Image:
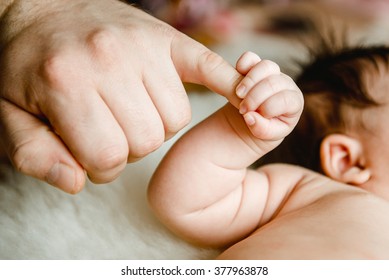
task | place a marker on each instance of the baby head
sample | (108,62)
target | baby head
(344,129)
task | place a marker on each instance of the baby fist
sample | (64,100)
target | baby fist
(271,101)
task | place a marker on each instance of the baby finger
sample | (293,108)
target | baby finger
(259,72)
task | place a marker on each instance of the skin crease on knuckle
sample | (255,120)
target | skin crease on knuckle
(25,150)
(248,81)
(178,120)
(267,66)
(107,159)
(272,83)
(209,62)
(145,147)
(19,159)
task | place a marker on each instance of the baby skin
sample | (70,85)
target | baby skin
(205,192)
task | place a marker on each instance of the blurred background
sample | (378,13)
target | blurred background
(275,29)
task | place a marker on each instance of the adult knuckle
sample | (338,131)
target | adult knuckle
(143,147)
(108,159)
(104,44)
(176,126)
(19,159)
(186,118)
(23,155)
(178,121)
(165,29)
(209,62)
(55,69)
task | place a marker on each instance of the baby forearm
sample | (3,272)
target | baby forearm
(203,166)
(224,141)
(204,178)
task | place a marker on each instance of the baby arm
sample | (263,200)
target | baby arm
(203,189)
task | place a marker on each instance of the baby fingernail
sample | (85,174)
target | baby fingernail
(241,91)
(243,109)
(249,119)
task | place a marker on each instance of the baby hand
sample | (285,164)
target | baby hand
(272,103)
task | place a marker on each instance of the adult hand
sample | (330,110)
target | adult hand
(87,86)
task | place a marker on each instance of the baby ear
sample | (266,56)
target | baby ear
(342,159)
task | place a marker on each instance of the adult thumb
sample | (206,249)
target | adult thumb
(197,64)
(35,150)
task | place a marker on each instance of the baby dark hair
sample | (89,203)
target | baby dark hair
(332,80)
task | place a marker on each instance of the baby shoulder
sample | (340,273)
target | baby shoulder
(306,187)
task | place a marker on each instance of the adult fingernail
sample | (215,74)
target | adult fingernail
(62,176)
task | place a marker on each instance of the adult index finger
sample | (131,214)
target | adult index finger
(197,64)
